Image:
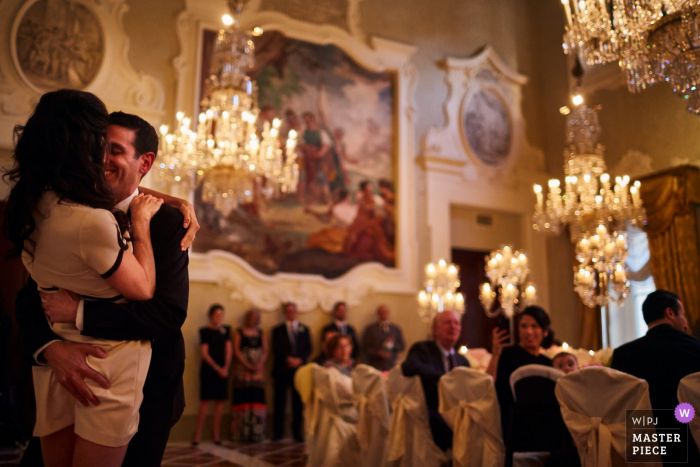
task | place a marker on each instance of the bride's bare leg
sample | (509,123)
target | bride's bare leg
(89,454)
(57,448)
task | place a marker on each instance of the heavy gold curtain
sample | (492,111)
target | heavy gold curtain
(671,198)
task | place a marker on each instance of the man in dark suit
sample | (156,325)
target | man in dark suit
(291,346)
(663,356)
(383,341)
(340,312)
(432,359)
(133,148)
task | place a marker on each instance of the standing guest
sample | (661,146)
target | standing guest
(432,359)
(664,356)
(323,356)
(340,312)
(248,410)
(339,354)
(216,349)
(533,335)
(133,144)
(291,346)
(383,341)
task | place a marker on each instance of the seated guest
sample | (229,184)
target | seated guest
(322,357)
(383,341)
(663,356)
(340,312)
(533,334)
(565,362)
(432,359)
(339,351)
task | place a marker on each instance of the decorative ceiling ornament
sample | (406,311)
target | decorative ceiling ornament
(440,293)
(507,270)
(588,198)
(234,154)
(651,40)
(602,267)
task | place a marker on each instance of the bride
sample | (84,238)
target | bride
(59,219)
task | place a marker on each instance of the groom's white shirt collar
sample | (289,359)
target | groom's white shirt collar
(124,204)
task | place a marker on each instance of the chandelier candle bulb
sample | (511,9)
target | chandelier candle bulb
(601,231)
(567,9)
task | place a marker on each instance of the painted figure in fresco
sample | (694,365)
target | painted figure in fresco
(321,160)
(366,239)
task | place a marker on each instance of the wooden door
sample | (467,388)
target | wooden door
(476,326)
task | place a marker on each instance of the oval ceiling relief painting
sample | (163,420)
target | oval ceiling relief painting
(59,44)
(487,127)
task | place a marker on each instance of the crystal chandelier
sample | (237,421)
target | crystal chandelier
(651,40)
(235,156)
(441,283)
(588,194)
(601,258)
(506,270)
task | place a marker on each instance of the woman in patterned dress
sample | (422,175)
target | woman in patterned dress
(248,408)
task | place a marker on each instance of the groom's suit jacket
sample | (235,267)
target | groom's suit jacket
(158,320)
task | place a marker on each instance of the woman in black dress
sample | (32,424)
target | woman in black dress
(217,351)
(533,334)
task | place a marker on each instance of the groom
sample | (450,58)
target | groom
(133,145)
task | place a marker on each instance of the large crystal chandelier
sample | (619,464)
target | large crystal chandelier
(602,266)
(652,41)
(588,196)
(234,155)
(506,270)
(440,293)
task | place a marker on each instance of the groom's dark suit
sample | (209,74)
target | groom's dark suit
(283,347)
(424,359)
(158,320)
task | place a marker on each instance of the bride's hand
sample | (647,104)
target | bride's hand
(144,207)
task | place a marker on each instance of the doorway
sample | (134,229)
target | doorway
(476,326)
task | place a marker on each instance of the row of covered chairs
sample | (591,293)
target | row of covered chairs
(371,420)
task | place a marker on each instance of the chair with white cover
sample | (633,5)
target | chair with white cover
(469,405)
(536,424)
(304,385)
(689,391)
(374,418)
(335,431)
(411,441)
(593,403)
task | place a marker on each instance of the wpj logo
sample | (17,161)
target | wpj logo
(658,435)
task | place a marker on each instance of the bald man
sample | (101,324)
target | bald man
(432,359)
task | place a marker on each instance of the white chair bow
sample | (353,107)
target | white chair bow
(411,441)
(469,405)
(373,428)
(335,430)
(689,391)
(593,403)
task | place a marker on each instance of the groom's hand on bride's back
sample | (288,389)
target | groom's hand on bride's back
(60,306)
(68,362)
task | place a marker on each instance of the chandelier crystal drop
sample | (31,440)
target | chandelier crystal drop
(235,155)
(507,270)
(602,266)
(651,40)
(440,293)
(588,196)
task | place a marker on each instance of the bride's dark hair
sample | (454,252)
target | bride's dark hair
(60,148)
